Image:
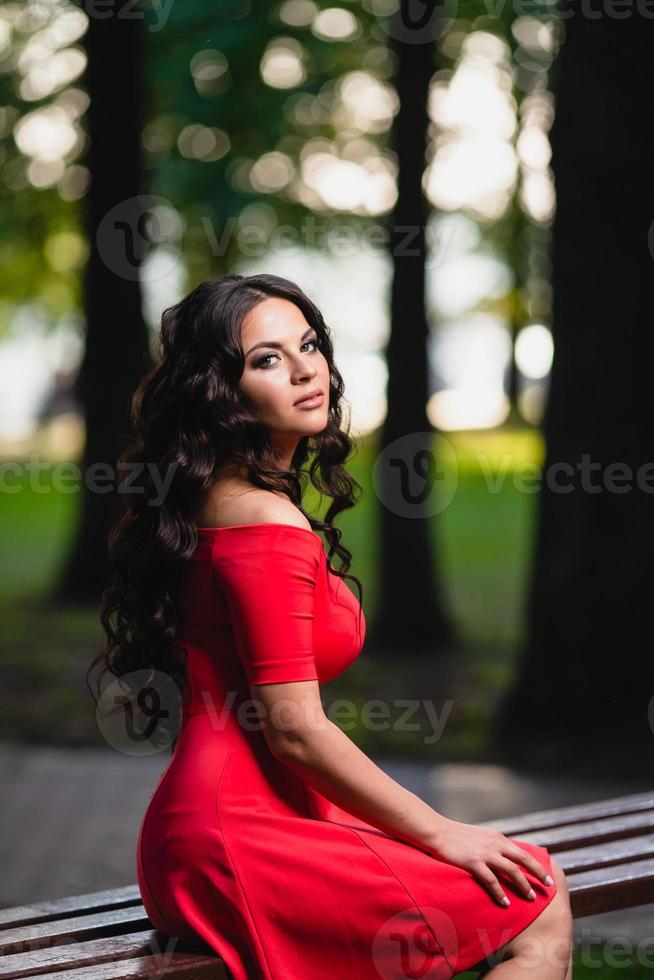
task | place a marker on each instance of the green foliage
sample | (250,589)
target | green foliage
(251,117)
(256,117)
(30,267)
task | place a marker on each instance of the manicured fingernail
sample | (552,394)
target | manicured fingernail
(549,880)
(532,894)
(505,901)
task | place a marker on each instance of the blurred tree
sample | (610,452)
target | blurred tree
(585,678)
(116,345)
(411,619)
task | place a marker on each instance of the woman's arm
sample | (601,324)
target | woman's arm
(301,736)
(328,759)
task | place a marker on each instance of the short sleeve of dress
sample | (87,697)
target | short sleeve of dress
(268,576)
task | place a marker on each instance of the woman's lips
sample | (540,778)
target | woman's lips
(309,403)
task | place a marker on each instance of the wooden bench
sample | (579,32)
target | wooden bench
(606,849)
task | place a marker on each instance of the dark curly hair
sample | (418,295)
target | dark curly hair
(189,419)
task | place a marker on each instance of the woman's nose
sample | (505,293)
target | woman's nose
(306,371)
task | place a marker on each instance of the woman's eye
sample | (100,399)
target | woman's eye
(264,362)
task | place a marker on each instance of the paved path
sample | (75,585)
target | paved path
(69,819)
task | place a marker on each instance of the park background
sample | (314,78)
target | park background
(467,197)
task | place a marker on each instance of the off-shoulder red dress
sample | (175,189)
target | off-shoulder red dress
(236,851)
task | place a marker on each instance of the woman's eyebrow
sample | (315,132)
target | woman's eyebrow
(276,344)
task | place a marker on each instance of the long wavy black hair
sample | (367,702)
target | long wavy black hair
(189,419)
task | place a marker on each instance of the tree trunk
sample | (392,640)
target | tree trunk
(117,348)
(411,621)
(586,676)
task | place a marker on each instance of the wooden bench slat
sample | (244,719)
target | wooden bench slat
(579,812)
(23,938)
(189,967)
(111,898)
(72,955)
(619,886)
(98,951)
(609,852)
(592,832)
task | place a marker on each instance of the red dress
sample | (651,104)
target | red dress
(236,851)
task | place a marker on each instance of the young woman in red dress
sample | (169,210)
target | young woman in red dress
(271,836)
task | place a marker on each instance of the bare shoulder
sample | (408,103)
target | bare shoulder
(251,505)
(266,507)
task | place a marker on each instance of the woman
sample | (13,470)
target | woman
(270,836)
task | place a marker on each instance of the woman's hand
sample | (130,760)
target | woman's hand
(482,852)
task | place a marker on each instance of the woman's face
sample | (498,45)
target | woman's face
(283,364)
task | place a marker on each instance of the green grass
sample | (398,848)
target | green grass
(35,524)
(584,970)
(601,971)
(482,538)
